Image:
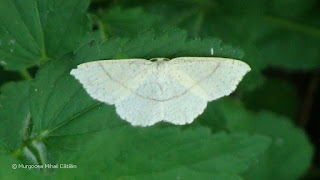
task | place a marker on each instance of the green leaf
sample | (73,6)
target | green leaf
(189,174)
(226,114)
(59,105)
(275,95)
(7,172)
(14,114)
(232,112)
(168,151)
(290,154)
(33,31)
(128,21)
(64,115)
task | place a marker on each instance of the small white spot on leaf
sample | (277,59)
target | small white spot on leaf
(212,51)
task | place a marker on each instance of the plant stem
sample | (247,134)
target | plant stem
(25,74)
(102,30)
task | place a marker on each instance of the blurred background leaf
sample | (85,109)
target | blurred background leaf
(126,22)
(291,151)
(290,154)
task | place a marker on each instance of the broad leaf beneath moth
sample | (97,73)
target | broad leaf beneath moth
(149,91)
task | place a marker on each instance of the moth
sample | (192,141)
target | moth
(145,92)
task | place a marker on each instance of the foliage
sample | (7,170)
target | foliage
(52,120)
(34,31)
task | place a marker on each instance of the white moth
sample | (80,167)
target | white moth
(149,91)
